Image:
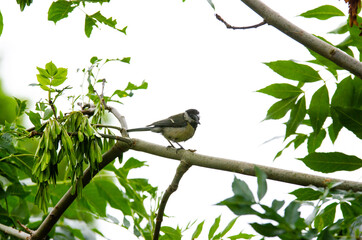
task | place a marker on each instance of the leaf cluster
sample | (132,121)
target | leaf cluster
(92,76)
(343,107)
(61,9)
(286,221)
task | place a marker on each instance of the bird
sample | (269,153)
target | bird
(176,128)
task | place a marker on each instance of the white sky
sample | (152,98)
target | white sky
(190,60)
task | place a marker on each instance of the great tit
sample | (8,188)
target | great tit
(177,128)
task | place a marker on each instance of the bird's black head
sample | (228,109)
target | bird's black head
(193,117)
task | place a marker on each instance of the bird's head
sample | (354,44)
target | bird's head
(193,117)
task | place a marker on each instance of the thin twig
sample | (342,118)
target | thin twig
(103,84)
(25,228)
(120,118)
(108,126)
(181,170)
(218,17)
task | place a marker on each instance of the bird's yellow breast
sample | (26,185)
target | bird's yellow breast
(178,134)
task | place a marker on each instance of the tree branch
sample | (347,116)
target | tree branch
(245,168)
(218,17)
(14,232)
(68,198)
(191,158)
(308,40)
(120,118)
(181,170)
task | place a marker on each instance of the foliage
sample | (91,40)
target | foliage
(343,107)
(40,164)
(54,153)
(323,222)
(61,9)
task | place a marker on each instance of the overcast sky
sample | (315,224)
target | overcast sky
(190,60)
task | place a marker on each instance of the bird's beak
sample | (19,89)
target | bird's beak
(198,122)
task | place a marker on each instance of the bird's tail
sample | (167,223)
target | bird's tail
(139,129)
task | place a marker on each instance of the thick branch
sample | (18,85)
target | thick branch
(181,170)
(246,168)
(308,40)
(14,232)
(68,197)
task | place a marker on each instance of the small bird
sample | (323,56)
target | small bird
(177,128)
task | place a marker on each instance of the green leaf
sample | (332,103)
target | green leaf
(319,108)
(132,86)
(348,97)
(262,184)
(355,33)
(51,68)
(227,229)
(59,10)
(340,30)
(323,12)
(7,171)
(43,80)
(281,90)
(214,227)
(343,96)
(296,117)
(299,139)
(1,23)
(126,60)
(291,213)
(268,229)
(59,77)
(315,140)
(43,72)
(20,107)
(171,233)
(102,19)
(88,25)
(238,205)
(347,211)
(241,236)
(120,93)
(97,201)
(24,3)
(276,205)
(211,4)
(294,71)
(332,132)
(34,119)
(331,162)
(198,230)
(133,163)
(280,108)
(326,217)
(107,21)
(48,113)
(114,196)
(46,88)
(306,194)
(351,118)
(240,188)
(357,93)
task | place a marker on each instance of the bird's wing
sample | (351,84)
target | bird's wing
(173,121)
